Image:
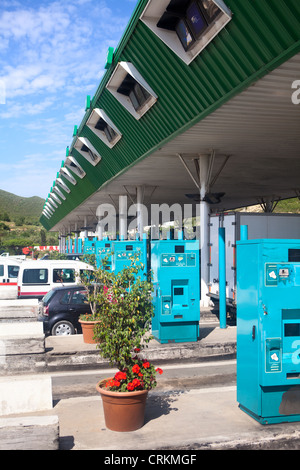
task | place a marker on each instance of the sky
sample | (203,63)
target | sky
(52,55)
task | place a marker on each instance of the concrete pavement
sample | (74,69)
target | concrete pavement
(197,419)
(70,352)
(177,418)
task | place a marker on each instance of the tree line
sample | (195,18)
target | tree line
(19,232)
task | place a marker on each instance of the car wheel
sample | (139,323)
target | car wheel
(63,328)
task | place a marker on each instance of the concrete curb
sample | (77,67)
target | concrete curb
(63,353)
(29,433)
(18,310)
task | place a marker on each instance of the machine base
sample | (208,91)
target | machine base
(271,419)
(169,341)
(183,332)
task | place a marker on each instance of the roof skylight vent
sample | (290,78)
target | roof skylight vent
(87,150)
(186,26)
(103,127)
(129,87)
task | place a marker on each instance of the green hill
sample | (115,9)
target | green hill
(289,205)
(17,206)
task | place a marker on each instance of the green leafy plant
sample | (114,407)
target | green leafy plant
(89,317)
(122,304)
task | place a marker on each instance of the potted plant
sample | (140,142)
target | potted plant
(123,305)
(88,322)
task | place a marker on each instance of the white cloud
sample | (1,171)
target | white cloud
(52,54)
(33,24)
(17,110)
(57,47)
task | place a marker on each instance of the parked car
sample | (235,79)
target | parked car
(36,278)
(9,269)
(60,308)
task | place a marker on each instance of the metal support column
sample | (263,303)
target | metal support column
(69,242)
(123,217)
(139,209)
(204,166)
(76,238)
(85,227)
(63,242)
(222,278)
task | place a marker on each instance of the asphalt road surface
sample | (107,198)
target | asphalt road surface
(181,376)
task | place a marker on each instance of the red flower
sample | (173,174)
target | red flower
(146,365)
(111,383)
(136,383)
(120,376)
(160,371)
(136,369)
(136,349)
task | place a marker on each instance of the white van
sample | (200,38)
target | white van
(36,278)
(9,269)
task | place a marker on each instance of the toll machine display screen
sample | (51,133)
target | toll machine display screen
(294,255)
(178,259)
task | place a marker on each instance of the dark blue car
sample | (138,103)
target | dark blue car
(60,308)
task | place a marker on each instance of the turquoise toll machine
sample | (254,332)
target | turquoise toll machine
(125,250)
(120,253)
(176,284)
(89,246)
(268,329)
(103,249)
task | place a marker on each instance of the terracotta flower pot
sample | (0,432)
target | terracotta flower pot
(88,331)
(123,411)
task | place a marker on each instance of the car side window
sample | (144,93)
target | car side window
(66,297)
(64,275)
(35,276)
(79,297)
(12,271)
